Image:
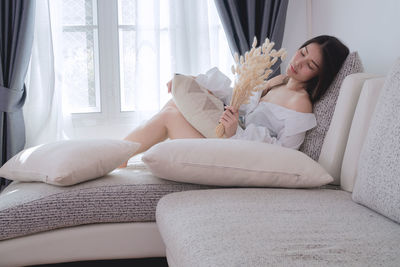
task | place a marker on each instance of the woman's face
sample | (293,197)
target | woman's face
(306,63)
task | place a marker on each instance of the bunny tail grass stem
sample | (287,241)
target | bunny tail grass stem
(251,73)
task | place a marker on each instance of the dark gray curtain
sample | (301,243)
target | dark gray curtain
(16,36)
(244,19)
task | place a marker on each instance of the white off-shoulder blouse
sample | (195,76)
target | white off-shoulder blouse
(263,121)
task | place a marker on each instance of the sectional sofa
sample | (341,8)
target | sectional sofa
(117,216)
(306,227)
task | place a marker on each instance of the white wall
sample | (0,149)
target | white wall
(295,29)
(369,26)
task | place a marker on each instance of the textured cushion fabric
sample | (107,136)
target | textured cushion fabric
(377,184)
(68,162)
(230,162)
(274,227)
(124,195)
(334,144)
(324,108)
(200,108)
(358,131)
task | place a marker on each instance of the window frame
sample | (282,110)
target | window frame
(108,72)
(111,116)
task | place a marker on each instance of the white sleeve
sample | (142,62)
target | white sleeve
(262,134)
(218,83)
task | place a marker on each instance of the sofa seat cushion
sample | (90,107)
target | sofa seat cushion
(274,227)
(124,195)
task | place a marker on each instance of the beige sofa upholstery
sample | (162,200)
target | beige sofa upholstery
(359,127)
(107,218)
(274,227)
(336,138)
(140,239)
(289,227)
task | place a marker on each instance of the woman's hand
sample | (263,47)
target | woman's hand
(230,120)
(169,85)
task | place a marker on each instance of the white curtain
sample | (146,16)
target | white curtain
(193,43)
(190,38)
(45,120)
(196,38)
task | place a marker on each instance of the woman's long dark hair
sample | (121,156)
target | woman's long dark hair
(334,53)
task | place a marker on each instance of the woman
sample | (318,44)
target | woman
(281,114)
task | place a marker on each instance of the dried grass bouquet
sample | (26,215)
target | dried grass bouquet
(251,74)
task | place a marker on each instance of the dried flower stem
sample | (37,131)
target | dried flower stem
(251,73)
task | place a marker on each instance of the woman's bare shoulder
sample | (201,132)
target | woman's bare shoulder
(300,103)
(274,81)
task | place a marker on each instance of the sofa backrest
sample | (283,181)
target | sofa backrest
(335,141)
(358,131)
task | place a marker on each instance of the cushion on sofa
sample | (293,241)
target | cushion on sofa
(274,227)
(200,108)
(324,108)
(68,162)
(124,195)
(377,184)
(359,128)
(230,162)
(335,140)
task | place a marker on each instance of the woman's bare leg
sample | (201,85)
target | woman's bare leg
(168,123)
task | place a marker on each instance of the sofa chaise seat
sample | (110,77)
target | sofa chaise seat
(275,227)
(124,195)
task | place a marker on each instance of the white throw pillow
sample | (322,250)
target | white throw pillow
(68,162)
(231,162)
(200,108)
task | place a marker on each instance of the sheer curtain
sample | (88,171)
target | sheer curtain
(193,43)
(45,118)
(183,36)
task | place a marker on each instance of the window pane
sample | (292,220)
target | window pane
(127,56)
(79,12)
(146,46)
(79,71)
(80,51)
(74,12)
(126,12)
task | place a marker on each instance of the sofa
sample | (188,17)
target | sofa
(306,227)
(130,213)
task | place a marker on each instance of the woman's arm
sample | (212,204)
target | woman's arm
(169,85)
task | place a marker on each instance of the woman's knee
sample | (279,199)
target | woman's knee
(170,103)
(170,112)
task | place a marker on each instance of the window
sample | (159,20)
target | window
(81,55)
(108,56)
